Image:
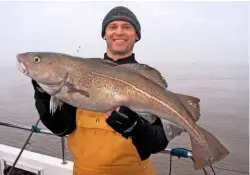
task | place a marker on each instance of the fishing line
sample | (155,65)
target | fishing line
(182,152)
(205,172)
(225,169)
(170,167)
(34,129)
(170,164)
(212,168)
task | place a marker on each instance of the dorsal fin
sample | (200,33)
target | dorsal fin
(103,61)
(147,71)
(191,104)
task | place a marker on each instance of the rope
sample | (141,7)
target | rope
(34,129)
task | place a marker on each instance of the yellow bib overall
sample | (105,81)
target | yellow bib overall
(97,149)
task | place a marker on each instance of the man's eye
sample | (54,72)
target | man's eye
(112,27)
(127,27)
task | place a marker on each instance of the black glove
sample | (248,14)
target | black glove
(39,92)
(125,121)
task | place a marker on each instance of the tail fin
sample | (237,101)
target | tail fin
(213,152)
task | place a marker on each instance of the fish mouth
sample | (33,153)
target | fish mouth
(22,67)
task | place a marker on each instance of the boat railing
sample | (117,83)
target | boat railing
(63,140)
(39,131)
(179,152)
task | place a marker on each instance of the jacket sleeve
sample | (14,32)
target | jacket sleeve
(62,122)
(149,138)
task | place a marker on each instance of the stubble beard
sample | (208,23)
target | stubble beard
(120,52)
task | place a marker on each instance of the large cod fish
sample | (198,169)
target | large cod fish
(101,85)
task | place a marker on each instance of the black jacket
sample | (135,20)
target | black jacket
(150,138)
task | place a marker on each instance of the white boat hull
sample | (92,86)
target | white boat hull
(33,162)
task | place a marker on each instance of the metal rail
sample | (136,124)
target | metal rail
(179,152)
(41,131)
(47,132)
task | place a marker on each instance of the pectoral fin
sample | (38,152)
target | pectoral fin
(147,71)
(72,88)
(54,104)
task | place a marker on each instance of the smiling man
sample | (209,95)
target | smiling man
(119,142)
(120,37)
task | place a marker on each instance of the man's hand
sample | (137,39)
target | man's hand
(123,120)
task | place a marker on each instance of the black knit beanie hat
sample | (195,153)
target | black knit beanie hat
(124,14)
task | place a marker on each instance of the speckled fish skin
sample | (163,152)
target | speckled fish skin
(99,85)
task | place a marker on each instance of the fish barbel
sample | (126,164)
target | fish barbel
(100,85)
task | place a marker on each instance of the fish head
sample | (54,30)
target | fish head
(45,68)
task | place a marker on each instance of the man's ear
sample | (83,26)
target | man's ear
(137,38)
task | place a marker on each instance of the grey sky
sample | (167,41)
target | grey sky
(171,31)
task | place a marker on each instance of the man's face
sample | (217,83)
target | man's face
(120,37)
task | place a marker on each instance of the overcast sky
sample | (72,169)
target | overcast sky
(171,31)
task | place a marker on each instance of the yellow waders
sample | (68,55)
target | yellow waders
(97,149)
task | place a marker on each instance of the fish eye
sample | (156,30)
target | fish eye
(36,59)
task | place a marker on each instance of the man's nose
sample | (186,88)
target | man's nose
(119,31)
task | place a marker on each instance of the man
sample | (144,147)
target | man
(119,142)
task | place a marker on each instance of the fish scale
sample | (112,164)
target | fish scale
(100,85)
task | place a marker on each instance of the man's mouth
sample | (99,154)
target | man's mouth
(119,40)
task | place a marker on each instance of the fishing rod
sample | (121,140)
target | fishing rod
(34,129)
(184,153)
